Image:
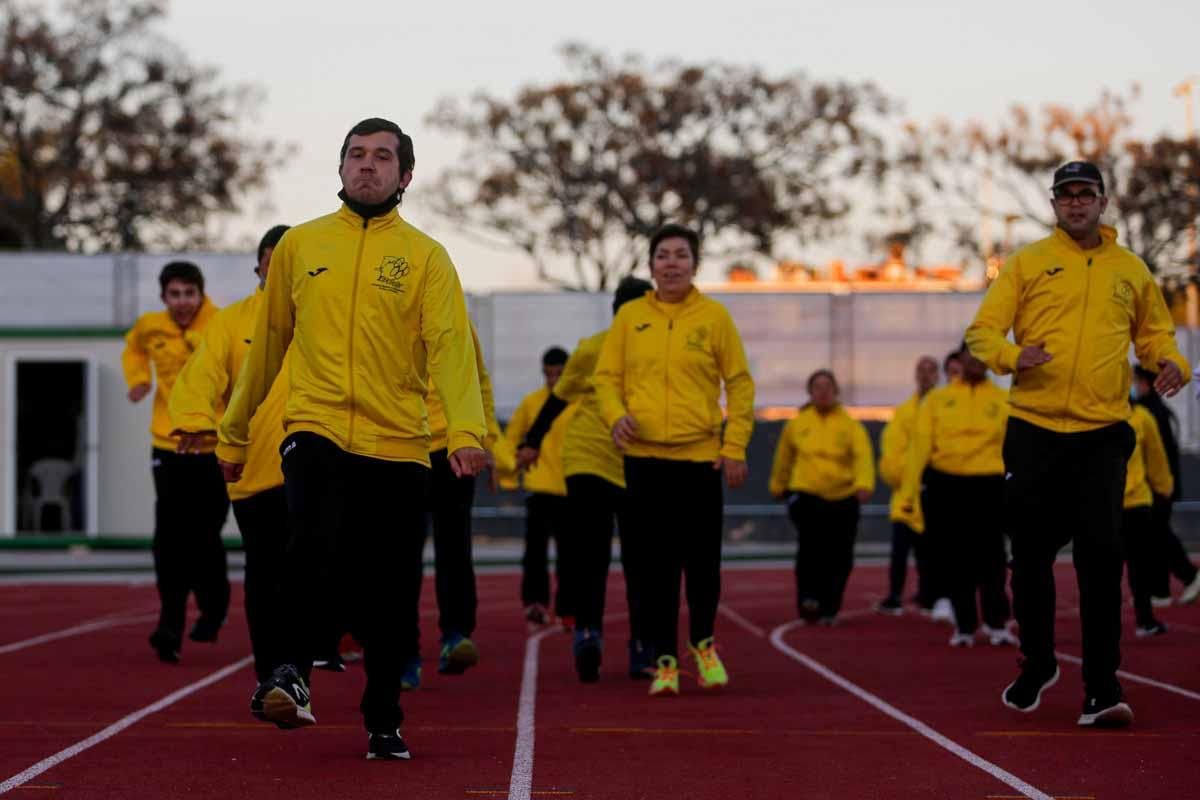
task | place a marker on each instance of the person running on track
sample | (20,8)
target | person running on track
(1147,479)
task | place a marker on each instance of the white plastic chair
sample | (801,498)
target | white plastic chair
(46,485)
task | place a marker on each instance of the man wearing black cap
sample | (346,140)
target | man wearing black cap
(1074,302)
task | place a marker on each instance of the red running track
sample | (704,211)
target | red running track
(876,707)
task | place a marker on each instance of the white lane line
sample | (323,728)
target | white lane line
(1135,678)
(98,624)
(120,725)
(971,758)
(521,783)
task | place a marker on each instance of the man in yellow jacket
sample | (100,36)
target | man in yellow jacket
(190,502)
(1074,302)
(1148,479)
(259,503)
(546,505)
(955,468)
(372,309)
(595,477)
(907,523)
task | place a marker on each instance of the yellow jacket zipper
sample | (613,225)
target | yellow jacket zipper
(1087,296)
(362,242)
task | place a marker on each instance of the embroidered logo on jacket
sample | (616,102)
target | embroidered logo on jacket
(642,327)
(1054,271)
(696,338)
(391,272)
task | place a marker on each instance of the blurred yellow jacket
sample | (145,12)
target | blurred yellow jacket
(663,364)
(203,388)
(894,442)
(495,442)
(1148,473)
(960,431)
(1084,308)
(371,309)
(589,448)
(546,475)
(156,339)
(827,455)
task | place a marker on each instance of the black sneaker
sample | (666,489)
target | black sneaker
(283,699)
(1025,693)
(1154,628)
(1106,713)
(810,610)
(890,605)
(641,661)
(587,650)
(333,663)
(387,746)
(165,645)
(205,630)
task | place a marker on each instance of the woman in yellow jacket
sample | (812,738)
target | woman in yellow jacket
(825,468)
(956,454)
(658,384)
(1147,476)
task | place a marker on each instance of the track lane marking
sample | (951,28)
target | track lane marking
(1133,677)
(521,782)
(21,778)
(90,626)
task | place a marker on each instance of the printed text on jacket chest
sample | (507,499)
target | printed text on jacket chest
(391,275)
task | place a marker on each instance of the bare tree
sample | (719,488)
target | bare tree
(111,138)
(582,170)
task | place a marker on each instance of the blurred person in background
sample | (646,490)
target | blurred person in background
(1147,478)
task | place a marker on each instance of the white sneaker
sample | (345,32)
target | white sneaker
(960,639)
(943,611)
(1160,602)
(1190,592)
(1000,637)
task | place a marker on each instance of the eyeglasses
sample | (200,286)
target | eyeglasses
(1084,198)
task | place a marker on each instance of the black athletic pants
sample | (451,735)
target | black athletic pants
(450,501)
(263,520)
(1168,556)
(675,515)
(1138,540)
(357,527)
(190,507)
(1064,487)
(825,534)
(545,518)
(966,540)
(904,541)
(594,505)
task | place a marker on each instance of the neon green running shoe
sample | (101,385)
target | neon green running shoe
(666,677)
(711,672)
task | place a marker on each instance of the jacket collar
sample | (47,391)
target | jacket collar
(366,219)
(672,309)
(1108,237)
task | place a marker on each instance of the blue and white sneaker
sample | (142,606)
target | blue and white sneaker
(410,679)
(458,654)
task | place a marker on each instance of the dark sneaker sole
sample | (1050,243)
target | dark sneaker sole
(280,707)
(460,659)
(587,664)
(1117,716)
(405,756)
(1037,701)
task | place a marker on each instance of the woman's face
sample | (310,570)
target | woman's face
(673,267)
(823,393)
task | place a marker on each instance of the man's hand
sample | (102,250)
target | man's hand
(1032,356)
(230,471)
(196,442)
(138,392)
(736,471)
(468,462)
(527,456)
(1170,378)
(863,496)
(624,431)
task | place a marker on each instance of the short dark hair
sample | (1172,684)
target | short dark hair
(673,231)
(554,357)
(823,373)
(630,288)
(953,355)
(270,239)
(404,142)
(184,271)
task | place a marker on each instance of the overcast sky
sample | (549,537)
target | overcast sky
(326,65)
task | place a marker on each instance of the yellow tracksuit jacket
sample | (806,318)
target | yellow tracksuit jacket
(959,431)
(828,455)
(371,309)
(1084,308)
(496,444)
(546,476)
(894,443)
(156,339)
(203,387)
(1148,472)
(589,448)
(663,364)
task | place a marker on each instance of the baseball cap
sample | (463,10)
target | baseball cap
(1078,172)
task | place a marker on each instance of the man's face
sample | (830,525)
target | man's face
(822,393)
(926,374)
(552,373)
(264,264)
(1078,206)
(370,171)
(183,300)
(954,369)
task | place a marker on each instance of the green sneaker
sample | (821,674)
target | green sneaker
(666,677)
(458,654)
(711,672)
